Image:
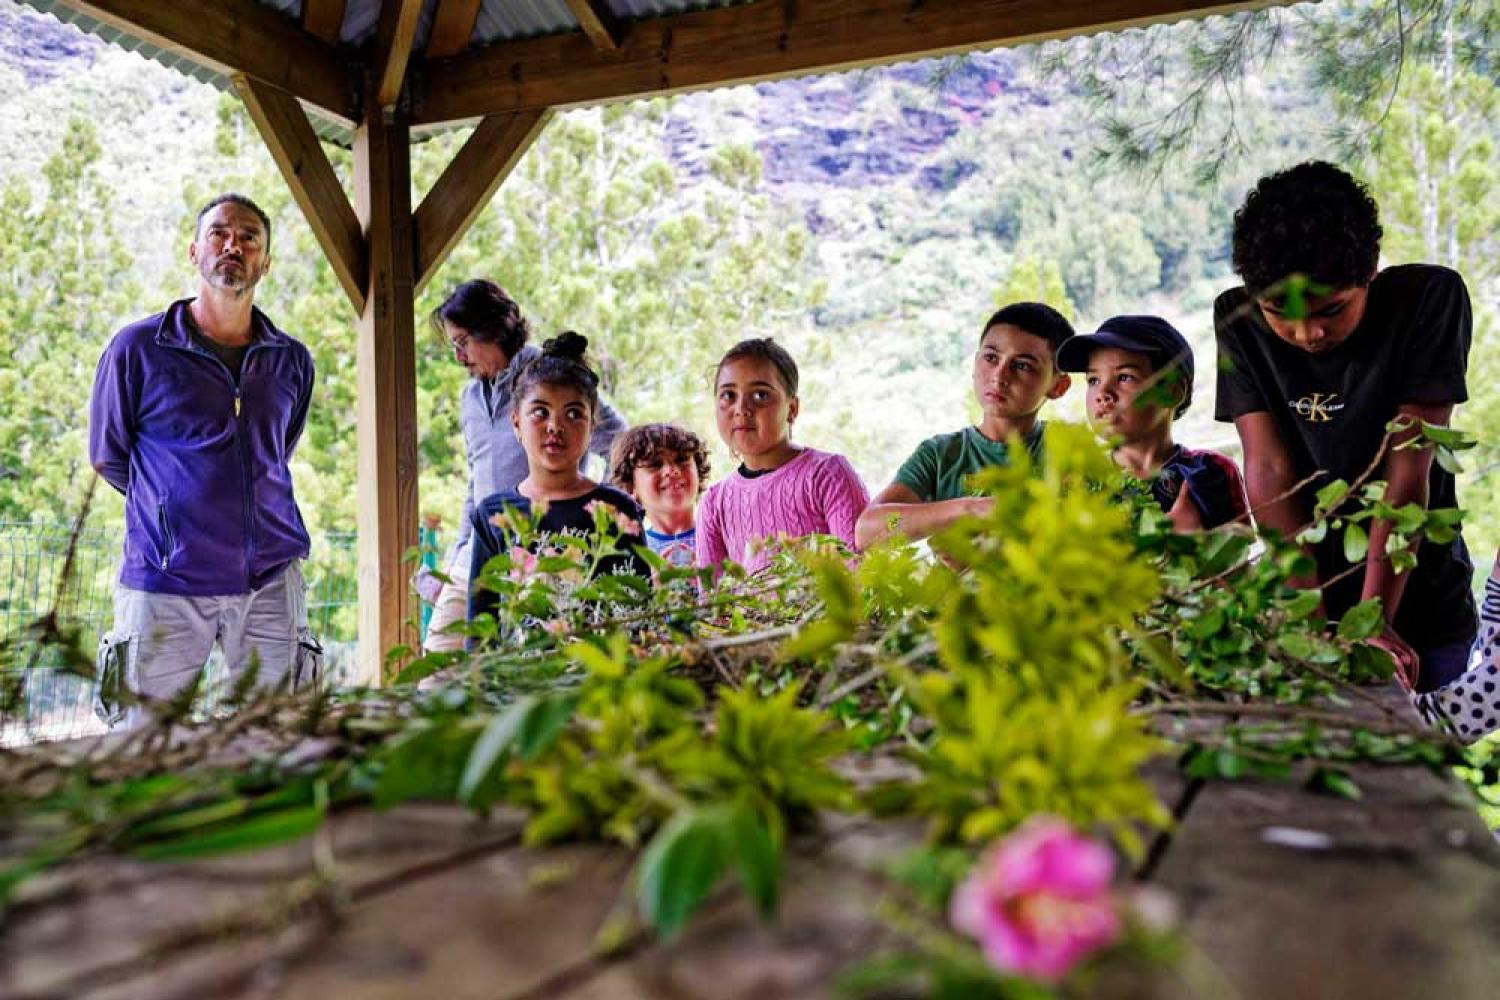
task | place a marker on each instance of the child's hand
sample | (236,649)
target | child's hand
(428,584)
(978,506)
(1408,663)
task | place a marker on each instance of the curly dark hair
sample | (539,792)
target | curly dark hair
(1313,219)
(560,363)
(1037,319)
(487,312)
(765,349)
(648,444)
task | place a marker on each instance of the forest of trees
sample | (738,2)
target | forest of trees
(1100,174)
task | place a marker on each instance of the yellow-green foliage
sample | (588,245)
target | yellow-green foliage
(633,718)
(772,755)
(1006,749)
(1030,706)
(1052,569)
(635,751)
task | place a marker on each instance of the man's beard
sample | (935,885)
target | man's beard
(238,283)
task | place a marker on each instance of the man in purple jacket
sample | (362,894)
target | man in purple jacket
(194,417)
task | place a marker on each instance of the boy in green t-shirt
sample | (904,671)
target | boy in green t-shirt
(1015,373)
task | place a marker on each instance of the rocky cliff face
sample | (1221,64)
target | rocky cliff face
(40,46)
(825,131)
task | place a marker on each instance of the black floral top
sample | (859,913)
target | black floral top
(493,535)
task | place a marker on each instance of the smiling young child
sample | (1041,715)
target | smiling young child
(1014,374)
(1139,374)
(556,400)
(781,489)
(665,468)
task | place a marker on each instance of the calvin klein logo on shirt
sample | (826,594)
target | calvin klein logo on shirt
(1316,407)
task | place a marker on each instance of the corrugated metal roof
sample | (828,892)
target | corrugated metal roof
(502,20)
(629,9)
(497,21)
(291,8)
(360,20)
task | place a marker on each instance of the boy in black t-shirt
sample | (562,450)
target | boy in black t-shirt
(1318,351)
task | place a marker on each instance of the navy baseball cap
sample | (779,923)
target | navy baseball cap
(1148,335)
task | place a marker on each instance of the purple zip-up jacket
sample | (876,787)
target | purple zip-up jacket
(209,509)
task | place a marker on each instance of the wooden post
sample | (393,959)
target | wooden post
(385,356)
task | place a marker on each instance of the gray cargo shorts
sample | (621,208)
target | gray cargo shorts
(160,643)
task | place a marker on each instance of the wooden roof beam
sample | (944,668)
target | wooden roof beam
(385,394)
(323,19)
(468,184)
(761,40)
(237,37)
(397,32)
(599,23)
(312,180)
(452,27)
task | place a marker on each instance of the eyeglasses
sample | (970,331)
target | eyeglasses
(461,341)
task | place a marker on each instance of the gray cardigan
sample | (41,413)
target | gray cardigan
(496,460)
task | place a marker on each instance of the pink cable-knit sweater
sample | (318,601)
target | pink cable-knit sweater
(815,493)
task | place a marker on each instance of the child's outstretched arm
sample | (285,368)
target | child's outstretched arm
(1406,481)
(913,519)
(1269,478)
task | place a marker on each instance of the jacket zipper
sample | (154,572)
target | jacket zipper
(167,541)
(239,441)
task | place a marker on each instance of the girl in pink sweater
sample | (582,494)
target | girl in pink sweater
(780,489)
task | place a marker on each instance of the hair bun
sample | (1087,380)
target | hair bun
(567,345)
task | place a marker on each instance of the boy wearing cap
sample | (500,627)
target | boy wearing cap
(1318,352)
(1139,376)
(1015,373)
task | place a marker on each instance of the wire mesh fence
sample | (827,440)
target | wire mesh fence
(51,696)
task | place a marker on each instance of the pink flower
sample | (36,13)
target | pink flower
(522,563)
(1039,901)
(623,521)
